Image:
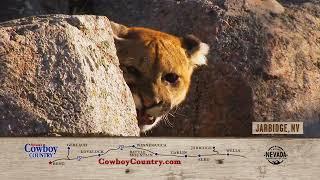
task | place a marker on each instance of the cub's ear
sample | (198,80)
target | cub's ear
(196,50)
(120,33)
(119,30)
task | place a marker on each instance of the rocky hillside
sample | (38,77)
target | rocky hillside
(264,62)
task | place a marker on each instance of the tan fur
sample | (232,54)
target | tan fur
(147,57)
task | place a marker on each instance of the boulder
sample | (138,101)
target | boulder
(59,75)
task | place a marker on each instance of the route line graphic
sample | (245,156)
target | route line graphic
(122,147)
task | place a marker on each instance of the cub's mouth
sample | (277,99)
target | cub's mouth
(148,117)
(144,118)
(145,121)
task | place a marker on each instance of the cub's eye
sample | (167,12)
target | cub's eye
(171,78)
(133,70)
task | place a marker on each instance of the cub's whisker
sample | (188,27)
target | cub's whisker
(171,114)
(167,121)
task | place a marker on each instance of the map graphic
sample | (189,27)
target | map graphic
(157,158)
(208,153)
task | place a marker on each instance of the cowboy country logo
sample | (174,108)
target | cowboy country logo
(38,150)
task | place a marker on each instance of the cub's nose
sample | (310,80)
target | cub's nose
(151,102)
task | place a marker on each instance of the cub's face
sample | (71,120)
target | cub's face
(157,68)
